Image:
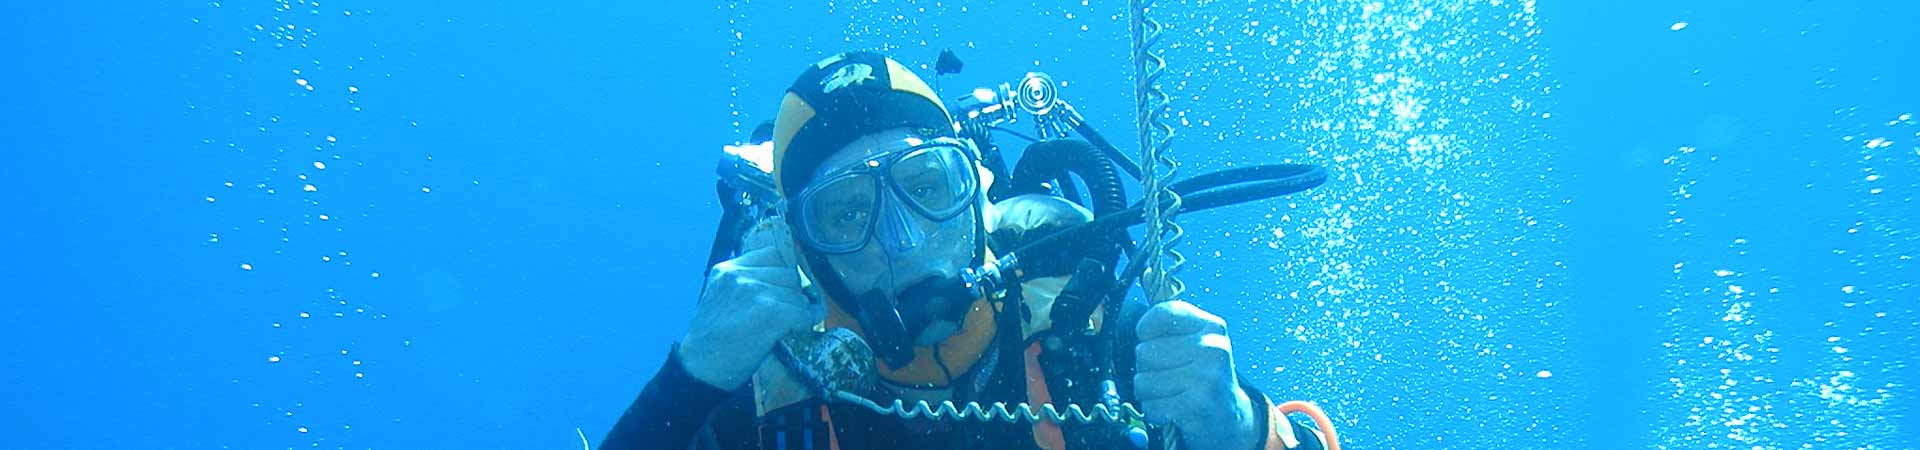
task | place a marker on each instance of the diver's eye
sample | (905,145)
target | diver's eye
(923,192)
(850,217)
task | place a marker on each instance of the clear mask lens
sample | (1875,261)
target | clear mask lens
(843,211)
(841,215)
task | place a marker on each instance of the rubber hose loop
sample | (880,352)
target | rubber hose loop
(1052,160)
(1319,417)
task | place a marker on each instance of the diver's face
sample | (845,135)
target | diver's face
(905,245)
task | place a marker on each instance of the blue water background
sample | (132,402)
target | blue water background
(518,198)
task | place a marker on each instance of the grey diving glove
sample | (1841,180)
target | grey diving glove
(750,303)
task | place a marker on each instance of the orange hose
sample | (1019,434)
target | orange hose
(1319,420)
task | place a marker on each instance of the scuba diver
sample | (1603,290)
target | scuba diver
(895,286)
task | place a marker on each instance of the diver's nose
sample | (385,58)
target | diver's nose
(899,232)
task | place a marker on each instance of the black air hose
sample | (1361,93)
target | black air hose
(1050,161)
(990,157)
(1200,193)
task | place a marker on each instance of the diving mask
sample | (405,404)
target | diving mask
(904,192)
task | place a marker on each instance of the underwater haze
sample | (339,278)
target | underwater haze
(265,224)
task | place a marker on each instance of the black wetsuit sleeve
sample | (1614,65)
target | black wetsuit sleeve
(1303,432)
(668,413)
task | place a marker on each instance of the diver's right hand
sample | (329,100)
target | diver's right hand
(750,303)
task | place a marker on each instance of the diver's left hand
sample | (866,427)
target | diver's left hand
(1184,375)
